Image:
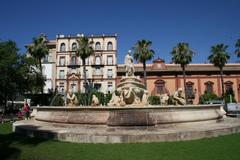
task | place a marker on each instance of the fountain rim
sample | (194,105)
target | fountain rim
(130,107)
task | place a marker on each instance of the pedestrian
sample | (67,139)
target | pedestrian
(26,110)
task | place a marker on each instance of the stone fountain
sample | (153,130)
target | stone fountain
(128,118)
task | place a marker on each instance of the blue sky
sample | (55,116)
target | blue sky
(201,23)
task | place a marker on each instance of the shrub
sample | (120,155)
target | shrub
(107,98)
(103,99)
(154,100)
(57,100)
(229,93)
(207,96)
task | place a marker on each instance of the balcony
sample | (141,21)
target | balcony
(73,64)
(61,64)
(97,75)
(61,77)
(100,63)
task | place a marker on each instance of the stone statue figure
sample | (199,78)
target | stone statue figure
(71,99)
(145,98)
(178,98)
(164,99)
(95,101)
(115,100)
(129,65)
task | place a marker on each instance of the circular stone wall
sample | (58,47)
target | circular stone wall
(129,116)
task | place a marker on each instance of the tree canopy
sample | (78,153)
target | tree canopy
(142,53)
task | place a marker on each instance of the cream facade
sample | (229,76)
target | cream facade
(100,67)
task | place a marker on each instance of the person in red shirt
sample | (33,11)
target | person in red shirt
(26,110)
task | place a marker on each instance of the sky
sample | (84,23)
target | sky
(201,23)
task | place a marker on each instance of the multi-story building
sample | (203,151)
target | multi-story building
(167,78)
(100,67)
(49,67)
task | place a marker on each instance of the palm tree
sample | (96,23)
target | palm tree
(84,50)
(39,50)
(237,46)
(143,53)
(182,54)
(219,58)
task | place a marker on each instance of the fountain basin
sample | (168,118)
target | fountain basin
(129,116)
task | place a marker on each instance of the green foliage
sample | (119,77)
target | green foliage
(39,50)
(237,46)
(182,54)
(143,53)
(207,96)
(84,50)
(229,93)
(103,99)
(9,67)
(41,99)
(219,56)
(154,100)
(107,98)
(17,147)
(57,100)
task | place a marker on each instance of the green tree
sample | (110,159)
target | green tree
(39,50)
(182,54)
(84,50)
(8,69)
(237,46)
(143,53)
(32,80)
(219,58)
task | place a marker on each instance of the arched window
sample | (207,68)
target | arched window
(98,46)
(209,86)
(160,87)
(109,46)
(228,86)
(190,94)
(97,60)
(62,47)
(74,46)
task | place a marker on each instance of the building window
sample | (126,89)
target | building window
(98,71)
(110,87)
(98,46)
(74,46)
(73,60)
(74,87)
(61,87)
(61,74)
(228,86)
(160,87)
(97,60)
(62,61)
(110,73)
(109,46)
(62,47)
(97,86)
(87,61)
(189,90)
(209,87)
(45,59)
(109,60)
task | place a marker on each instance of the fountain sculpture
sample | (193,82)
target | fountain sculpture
(128,118)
